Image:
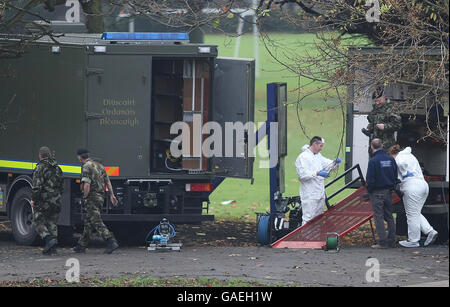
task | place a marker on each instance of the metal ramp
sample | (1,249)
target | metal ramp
(344,217)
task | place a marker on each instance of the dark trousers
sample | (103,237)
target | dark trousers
(381,201)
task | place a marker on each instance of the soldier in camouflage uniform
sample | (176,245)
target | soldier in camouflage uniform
(383,122)
(93,180)
(46,199)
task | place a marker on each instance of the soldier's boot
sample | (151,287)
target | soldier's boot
(52,251)
(112,246)
(49,243)
(79,249)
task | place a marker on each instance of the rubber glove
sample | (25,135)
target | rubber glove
(408,174)
(323,174)
(338,160)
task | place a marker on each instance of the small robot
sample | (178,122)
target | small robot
(162,236)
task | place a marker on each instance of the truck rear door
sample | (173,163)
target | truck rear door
(233,103)
(118,112)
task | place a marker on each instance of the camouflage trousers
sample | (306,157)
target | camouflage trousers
(93,221)
(45,221)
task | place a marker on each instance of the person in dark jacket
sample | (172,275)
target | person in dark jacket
(381,179)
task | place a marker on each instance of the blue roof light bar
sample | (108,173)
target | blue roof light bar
(145,36)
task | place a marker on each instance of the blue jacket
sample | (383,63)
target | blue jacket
(381,172)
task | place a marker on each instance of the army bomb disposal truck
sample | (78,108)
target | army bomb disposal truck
(432,154)
(118,94)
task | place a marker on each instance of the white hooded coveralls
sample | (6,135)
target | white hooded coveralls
(312,188)
(415,191)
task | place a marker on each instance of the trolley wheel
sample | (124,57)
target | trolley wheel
(263,230)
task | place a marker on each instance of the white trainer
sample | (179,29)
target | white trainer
(432,236)
(409,244)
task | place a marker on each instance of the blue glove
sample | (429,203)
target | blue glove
(323,174)
(338,160)
(408,174)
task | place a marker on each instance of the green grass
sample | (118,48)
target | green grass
(318,116)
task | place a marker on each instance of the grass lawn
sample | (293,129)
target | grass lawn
(318,117)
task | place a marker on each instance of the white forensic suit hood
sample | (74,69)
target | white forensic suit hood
(407,162)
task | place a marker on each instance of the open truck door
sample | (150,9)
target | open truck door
(233,105)
(118,112)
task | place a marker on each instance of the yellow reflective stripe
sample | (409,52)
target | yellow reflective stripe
(17,164)
(70,169)
(32,165)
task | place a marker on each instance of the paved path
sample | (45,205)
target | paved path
(398,267)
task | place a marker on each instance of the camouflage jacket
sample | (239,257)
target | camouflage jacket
(384,115)
(94,173)
(48,182)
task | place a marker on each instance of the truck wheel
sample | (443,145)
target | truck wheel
(22,218)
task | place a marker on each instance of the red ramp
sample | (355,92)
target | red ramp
(344,217)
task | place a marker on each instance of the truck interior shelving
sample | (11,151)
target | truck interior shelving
(180,90)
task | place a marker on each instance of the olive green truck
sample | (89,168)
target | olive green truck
(118,94)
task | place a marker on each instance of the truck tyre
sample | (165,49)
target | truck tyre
(22,218)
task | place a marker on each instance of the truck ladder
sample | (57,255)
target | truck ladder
(342,218)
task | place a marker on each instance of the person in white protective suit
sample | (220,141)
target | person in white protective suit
(312,169)
(415,192)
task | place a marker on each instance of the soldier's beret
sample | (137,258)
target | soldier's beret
(82,151)
(378,93)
